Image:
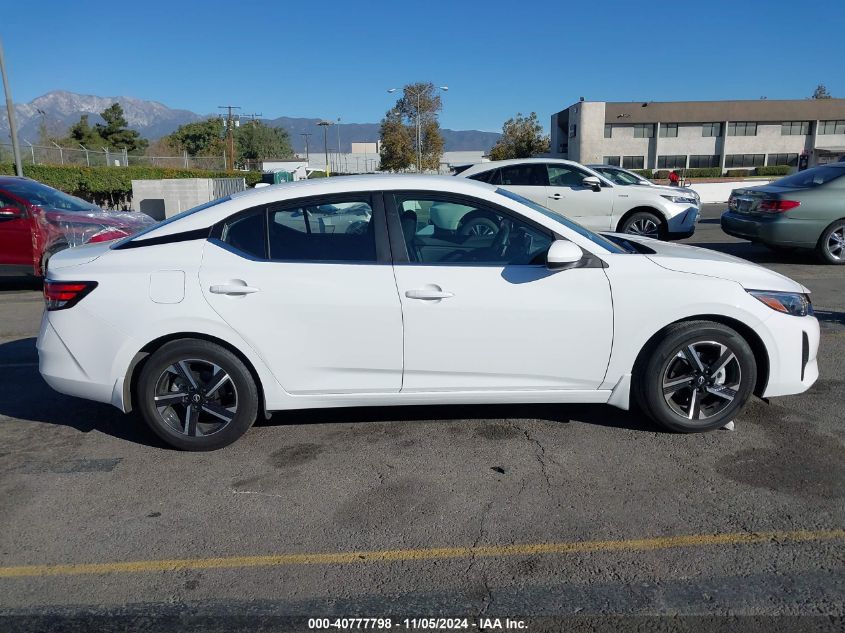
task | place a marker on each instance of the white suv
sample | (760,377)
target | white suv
(591,199)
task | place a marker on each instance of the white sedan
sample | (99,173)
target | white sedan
(266,301)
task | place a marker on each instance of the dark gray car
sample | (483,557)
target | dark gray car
(804,210)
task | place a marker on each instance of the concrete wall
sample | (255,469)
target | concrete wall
(721,191)
(162,199)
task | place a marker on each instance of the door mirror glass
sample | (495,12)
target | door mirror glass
(10,213)
(592,181)
(563,254)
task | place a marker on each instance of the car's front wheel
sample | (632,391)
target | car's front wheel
(643,223)
(831,246)
(698,377)
(196,395)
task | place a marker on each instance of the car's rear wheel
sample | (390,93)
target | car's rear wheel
(697,377)
(643,223)
(831,246)
(196,395)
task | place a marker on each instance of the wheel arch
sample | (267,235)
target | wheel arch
(664,222)
(761,355)
(134,371)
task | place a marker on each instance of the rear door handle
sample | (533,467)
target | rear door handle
(233,289)
(557,196)
(427,294)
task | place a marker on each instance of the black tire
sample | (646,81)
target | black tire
(478,226)
(203,430)
(826,249)
(662,368)
(641,221)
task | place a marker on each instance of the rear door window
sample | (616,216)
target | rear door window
(525,175)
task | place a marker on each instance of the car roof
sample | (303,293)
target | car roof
(493,164)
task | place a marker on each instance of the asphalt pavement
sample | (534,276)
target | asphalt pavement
(515,511)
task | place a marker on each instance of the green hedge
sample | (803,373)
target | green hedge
(112,186)
(694,172)
(774,170)
(645,173)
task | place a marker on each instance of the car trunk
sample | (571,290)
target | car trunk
(751,201)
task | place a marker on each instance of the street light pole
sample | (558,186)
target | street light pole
(10,108)
(325,125)
(338,142)
(306,135)
(418,93)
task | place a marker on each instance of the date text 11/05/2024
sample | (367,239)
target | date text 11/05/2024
(484,624)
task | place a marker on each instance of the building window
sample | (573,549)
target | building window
(703,160)
(742,128)
(672,162)
(633,162)
(669,130)
(644,130)
(608,130)
(795,128)
(711,129)
(783,159)
(612,160)
(744,160)
(573,129)
(831,127)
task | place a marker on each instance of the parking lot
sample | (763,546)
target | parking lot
(463,510)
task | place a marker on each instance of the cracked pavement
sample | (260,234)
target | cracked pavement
(81,483)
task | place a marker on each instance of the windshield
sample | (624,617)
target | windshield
(620,177)
(812,177)
(178,216)
(46,197)
(595,238)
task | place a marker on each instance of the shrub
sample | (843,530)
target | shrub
(739,173)
(774,170)
(645,173)
(112,186)
(704,172)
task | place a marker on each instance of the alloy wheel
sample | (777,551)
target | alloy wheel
(701,380)
(836,243)
(195,397)
(643,226)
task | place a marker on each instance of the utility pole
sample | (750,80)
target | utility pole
(306,135)
(325,125)
(338,144)
(230,135)
(10,108)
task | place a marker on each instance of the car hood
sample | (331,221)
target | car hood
(703,261)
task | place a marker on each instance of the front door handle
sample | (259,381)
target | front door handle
(428,294)
(233,289)
(557,196)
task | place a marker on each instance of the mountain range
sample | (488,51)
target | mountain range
(60,109)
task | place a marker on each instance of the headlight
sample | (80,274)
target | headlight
(679,199)
(794,303)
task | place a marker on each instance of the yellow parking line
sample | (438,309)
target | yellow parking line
(345,558)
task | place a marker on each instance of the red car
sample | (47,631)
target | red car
(37,221)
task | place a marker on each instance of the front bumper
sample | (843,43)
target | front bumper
(793,365)
(775,229)
(683,224)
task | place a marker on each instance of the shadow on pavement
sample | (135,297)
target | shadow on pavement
(759,254)
(26,397)
(20,283)
(830,316)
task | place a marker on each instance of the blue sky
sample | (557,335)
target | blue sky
(330,59)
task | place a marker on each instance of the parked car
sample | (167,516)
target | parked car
(591,199)
(624,177)
(804,210)
(37,221)
(228,311)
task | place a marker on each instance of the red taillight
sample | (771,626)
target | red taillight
(778,206)
(107,235)
(60,295)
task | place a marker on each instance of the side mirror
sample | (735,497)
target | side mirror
(592,182)
(563,254)
(10,213)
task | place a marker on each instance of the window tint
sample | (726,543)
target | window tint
(491,177)
(633,162)
(246,233)
(795,128)
(644,130)
(669,130)
(812,177)
(337,231)
(528,174)
(744,160)
(565,176)
(711,129)
(612,160)
(831,127)
(619,177)
(448,233)
(742,128)
(783,159)
(8,201)
(703,160)
(672,162)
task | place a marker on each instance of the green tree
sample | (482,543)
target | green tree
(397,145)
(257,141)
(419,104)
(522,137)
(200,138)
(115,131)
(821,92)
(82,133)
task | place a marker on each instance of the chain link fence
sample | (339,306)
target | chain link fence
(106,157)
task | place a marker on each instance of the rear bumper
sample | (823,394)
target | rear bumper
(775,229)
